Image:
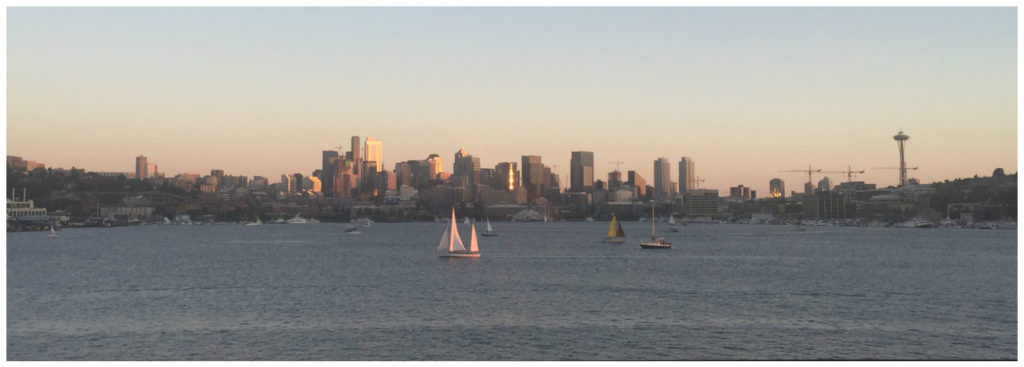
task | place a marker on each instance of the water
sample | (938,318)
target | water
(540,292)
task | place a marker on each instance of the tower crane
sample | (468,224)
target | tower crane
(809,171)
(849,173)
(697,181)
(618,164)
(905,168)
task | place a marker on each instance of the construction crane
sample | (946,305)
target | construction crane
(849,173)
(339,148)
(697,181)
(902,175)
(618,164)
(910,168)
(809,171)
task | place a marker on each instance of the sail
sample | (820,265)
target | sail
(455,242)
(619,232)
(611,228)
(489,229)
(444,241)
(472,240)
(671,220)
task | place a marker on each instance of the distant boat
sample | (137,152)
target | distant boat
(490,230)
(258,222)
(53,233)
(297,219)
(367,222)
(465,220)
(353,230)
(656,242)
(672,227)
(914,223)
(451,244)
(615,232)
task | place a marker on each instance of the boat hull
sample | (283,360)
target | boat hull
(614,239)
(460,254)
(655,246)
(485,234)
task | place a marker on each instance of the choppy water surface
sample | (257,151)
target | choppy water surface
(540,292)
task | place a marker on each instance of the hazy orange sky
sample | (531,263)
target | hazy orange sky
(745,92)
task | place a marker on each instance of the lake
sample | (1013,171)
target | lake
(540,291)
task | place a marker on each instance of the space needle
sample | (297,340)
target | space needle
(900,139)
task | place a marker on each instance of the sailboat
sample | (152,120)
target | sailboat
(656,242)
(258,222)
(615,232)
(490,230)
(451,244)
(672,227)
(53,233)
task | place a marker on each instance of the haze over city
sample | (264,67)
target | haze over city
(745,92)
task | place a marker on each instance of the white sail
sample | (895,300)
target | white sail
(489,229)
(455,242)
(444,241)
(472,240)
(671,220)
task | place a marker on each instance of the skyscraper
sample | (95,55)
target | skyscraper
(662,170)
(687,179)
(357,159)
(468,166)
(637,181)
(374,152)
(328,163)
(506,177)
(436,168)
(533,176)
(825,184)
(141,167)
(777,188)
(581,172)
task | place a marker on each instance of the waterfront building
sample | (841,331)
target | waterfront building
(700,203)
(581,172)
(662,170)
(687,177)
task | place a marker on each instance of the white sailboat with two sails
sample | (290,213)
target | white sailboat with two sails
(451,243)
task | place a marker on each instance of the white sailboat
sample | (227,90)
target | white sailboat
(656,242)
(490,230)
(53,233)
(258,222)
(451,243)
(672,227)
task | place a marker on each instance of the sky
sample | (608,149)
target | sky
(745,92)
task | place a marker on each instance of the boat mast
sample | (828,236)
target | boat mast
(652,220)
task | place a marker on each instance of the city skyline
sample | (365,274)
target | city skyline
(747,92)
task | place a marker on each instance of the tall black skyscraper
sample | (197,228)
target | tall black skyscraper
(330,159)
(581,172)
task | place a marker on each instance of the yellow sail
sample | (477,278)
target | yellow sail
(611,228)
